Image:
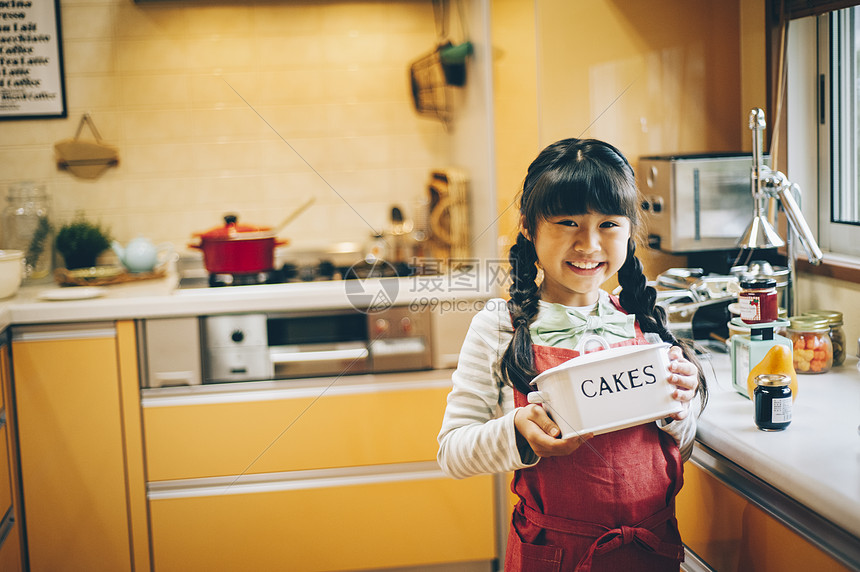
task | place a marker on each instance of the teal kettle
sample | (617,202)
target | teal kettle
(141,255)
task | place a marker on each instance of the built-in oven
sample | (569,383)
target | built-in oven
(283,345)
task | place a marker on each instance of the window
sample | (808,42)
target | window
(839,131)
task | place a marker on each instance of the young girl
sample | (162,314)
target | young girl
(585,503)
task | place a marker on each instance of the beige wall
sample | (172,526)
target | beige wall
(653,77)
(197,97)
(515,96)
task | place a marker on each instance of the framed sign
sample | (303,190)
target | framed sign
(32,84)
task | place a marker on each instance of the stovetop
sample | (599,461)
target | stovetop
(195,276)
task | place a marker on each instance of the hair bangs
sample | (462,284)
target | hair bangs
(578,188)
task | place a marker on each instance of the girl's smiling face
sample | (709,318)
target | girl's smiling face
(578,253)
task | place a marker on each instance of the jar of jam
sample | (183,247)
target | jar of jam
(812,348)
(757,300)
(772,396)
(837,334)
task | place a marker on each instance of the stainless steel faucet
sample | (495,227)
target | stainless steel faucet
(764,184)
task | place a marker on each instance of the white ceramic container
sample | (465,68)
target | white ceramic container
(607,390)
(11,272)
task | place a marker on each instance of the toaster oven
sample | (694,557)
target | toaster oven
(696,203)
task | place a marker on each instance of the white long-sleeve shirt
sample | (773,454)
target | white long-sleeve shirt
(478,434)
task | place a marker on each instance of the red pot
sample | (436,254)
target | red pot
(238,248)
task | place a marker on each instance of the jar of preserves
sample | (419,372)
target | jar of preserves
(26,227)
(812,347)
(772,396)
(757,300)
(837,333)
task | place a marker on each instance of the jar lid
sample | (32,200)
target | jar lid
(758,283)
(773,379)
(806,323)
(832,316)
(27,190)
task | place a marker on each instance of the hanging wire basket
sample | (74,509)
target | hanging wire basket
(430,88)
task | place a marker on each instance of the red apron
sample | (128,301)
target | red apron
(609,505)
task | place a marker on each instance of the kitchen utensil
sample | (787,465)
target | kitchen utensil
(449,216)
(11,271)
(433,73)
(238,248)
(429,87)
(86,159)
(141,255)
(292,216)
(607,390)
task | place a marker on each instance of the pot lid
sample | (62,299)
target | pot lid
(233,230)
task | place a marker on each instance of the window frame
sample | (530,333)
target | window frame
(838,238)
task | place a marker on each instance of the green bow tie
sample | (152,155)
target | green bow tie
(560,326)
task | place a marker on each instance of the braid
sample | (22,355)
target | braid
(517,362)
(636,297)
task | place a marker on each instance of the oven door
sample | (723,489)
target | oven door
(324,343)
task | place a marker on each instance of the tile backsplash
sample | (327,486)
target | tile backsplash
(246,107)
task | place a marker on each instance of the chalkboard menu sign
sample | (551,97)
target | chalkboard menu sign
(31,60)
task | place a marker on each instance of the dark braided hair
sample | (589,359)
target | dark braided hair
(636,297)
(574,177)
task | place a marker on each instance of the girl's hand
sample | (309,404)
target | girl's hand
(685,377)
(542,434)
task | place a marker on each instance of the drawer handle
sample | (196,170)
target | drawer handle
(174,378)
(322,355)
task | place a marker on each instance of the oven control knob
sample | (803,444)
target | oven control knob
(406,325)
(237,336)
(381,326)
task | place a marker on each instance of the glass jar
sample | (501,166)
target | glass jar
(757,301)
(812,348)
(26,227)
(837,333)
(772,396)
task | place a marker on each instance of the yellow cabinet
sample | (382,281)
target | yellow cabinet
(309,475)
(10,543)
(343,522)
(84,509)
(285,427)
(730,532)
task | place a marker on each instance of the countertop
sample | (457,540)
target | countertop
(161,298)
(816,461)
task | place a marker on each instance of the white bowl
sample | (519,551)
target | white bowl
(607,390)
(11,272)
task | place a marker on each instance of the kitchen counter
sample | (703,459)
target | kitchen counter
(161,298)
(815,461)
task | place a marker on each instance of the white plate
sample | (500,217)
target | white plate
(72,293)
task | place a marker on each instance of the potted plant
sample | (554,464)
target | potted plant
(81,241)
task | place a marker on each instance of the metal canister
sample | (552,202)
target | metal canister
(772,397)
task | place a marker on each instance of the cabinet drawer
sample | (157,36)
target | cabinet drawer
(237,432)
(335,524)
